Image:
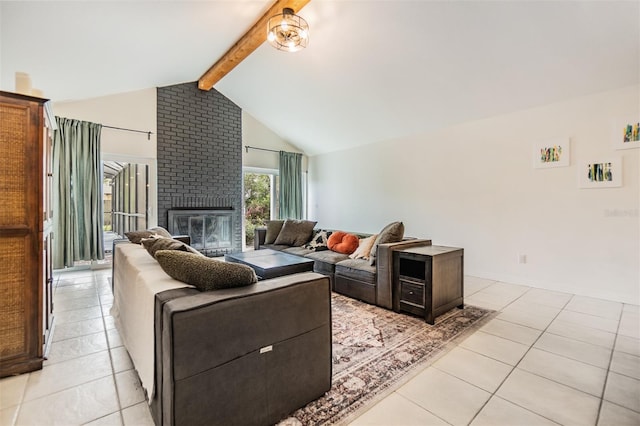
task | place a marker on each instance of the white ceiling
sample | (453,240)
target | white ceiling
(373,71)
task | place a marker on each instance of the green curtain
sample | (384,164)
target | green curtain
(77,192)
(290,185)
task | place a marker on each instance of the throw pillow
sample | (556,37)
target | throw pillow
(136,236)
(342,242)
(392,233)
(364,248)
(319,241)
(203,272)
(273,229)
(159,230)
(295,233)
(156,243)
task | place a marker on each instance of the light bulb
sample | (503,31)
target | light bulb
(303,34)
(284,25)
(271,36)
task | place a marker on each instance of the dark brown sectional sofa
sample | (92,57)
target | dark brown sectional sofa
(239,356)
(352,277)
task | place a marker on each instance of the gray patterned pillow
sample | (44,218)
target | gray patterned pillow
(392,233)
(295,233)
(203,272)
(159,230)
(319,241)
(136,236)
(155,244)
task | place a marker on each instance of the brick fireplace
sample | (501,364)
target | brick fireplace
(200,163)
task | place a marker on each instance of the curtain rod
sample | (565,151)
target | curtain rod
(130,130)
(247,148)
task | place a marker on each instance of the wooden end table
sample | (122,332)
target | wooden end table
(428,280)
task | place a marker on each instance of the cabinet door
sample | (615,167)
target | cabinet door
(20,245)
(47,167)
(47,291)
(19,336)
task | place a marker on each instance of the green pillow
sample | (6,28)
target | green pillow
(203,272)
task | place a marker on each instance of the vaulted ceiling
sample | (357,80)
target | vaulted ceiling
(374,70)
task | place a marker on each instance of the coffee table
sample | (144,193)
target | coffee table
(271,263)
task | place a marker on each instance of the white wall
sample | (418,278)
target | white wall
(473,186)
(256,134)
(132,110)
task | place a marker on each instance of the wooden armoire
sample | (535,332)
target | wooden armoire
(26,275)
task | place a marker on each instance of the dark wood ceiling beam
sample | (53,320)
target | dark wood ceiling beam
(249,42)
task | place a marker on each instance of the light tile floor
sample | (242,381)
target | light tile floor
(547,358)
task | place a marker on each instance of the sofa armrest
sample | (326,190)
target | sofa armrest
(259,237)
(248,337)
(384,262)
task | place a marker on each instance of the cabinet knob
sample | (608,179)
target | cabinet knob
(411,292)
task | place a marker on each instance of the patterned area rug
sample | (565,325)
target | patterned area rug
(375,351)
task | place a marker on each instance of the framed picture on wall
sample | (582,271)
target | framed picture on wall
(602,173)
(626,134)
(552,153)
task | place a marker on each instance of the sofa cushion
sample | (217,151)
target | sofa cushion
(298,251)
(324,268)
(273,229)
(154,244)
(364,248)
(203,272)
(319,241)
(278,247)
(295,232)
(327,256)
(357,269)
(392,233)
(343,242)
(136,236)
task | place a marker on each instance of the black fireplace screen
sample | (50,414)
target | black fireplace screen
(208,229)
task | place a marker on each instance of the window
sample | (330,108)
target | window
(260,200)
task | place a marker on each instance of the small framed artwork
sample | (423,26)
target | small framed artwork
(605,173)
(626,134)
(551,153)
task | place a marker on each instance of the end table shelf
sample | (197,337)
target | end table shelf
(428,280)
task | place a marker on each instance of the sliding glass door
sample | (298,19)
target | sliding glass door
(260,200)
(129,195)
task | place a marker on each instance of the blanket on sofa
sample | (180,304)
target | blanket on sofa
(136,280)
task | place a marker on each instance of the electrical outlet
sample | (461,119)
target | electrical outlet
(522,258)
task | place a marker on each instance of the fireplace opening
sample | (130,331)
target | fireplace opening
(210,230)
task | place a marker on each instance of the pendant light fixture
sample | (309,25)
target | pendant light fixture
(288,31)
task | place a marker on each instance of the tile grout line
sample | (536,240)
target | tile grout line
(29,377)
(606,377)
(417,405)
(493,394)
(21,401)
(113,370)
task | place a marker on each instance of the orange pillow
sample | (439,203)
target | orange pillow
(344,243)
